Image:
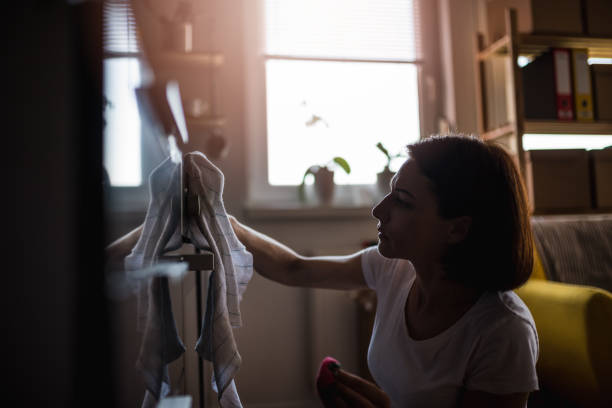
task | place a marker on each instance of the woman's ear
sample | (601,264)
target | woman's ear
(458,229)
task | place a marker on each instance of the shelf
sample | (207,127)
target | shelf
(499,47)
(533,45)
(567,128)
(499,132)
(177,59)
(207,121)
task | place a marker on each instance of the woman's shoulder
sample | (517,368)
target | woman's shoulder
(505,348)
(501,313)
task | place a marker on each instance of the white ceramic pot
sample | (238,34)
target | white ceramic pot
(383,179)
(324,185)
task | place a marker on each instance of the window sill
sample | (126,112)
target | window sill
(261,212)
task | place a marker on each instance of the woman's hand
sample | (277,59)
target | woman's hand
(118,250)
(353,391)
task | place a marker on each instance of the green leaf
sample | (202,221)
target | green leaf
(343,163)
(383,150)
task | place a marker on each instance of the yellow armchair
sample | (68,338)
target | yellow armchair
(574,326)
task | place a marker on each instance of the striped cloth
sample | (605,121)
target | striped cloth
(576,249)
(233,268)
(160,343)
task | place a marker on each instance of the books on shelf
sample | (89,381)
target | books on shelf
(583,97)
(558,180)
(561,85)
(547,86)
(598,15)
(602,90)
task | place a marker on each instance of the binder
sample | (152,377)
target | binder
(539,88)
(583,97)
(602,91)
(563,83)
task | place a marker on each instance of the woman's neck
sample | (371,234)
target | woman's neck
(432,291)
(434,304)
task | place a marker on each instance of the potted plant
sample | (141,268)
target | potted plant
(323,179)
(383,178)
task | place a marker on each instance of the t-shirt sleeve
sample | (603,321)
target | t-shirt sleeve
(368,265)
(376,268)
(505,359)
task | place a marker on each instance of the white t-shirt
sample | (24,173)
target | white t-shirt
(493,347)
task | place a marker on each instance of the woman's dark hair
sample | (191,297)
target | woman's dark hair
(471,178)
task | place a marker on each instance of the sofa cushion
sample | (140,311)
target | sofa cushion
(576,248)
(574,325)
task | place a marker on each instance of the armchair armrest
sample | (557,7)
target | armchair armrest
(574,325)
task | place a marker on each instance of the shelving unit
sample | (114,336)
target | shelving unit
(511,46)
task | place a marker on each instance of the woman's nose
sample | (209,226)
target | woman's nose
(379,209)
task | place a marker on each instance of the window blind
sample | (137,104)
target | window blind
(119,28)
(351,29)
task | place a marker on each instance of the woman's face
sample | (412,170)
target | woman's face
(409,226)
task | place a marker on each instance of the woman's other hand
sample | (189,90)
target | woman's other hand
(353,391)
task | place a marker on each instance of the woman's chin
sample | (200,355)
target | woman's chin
(383,248)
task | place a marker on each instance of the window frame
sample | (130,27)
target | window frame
(127,199)
(259,191)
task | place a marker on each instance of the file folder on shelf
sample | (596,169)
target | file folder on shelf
(583,97)
(563,83)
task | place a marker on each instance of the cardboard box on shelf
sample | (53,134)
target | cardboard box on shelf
(598,14)
(601,166)
(535,16)
(558,180)
(602,91)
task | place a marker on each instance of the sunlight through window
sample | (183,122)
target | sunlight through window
(338,109)
(122,158)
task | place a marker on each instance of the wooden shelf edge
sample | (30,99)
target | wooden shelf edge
(498,47)
(567,128)
(498,132)
(536,44)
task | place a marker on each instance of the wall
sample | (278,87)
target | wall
(457,22)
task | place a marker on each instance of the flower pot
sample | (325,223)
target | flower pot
(383,179)
(324,185)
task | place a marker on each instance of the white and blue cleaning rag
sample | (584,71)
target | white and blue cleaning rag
(233,268)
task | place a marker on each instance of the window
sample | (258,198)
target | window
(326,79)
(122,156)
(122,74)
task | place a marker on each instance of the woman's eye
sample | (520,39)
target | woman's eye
(403,203)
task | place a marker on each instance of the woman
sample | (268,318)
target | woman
(453,240)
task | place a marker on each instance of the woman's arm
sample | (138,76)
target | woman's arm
(122,247)
(280,263)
